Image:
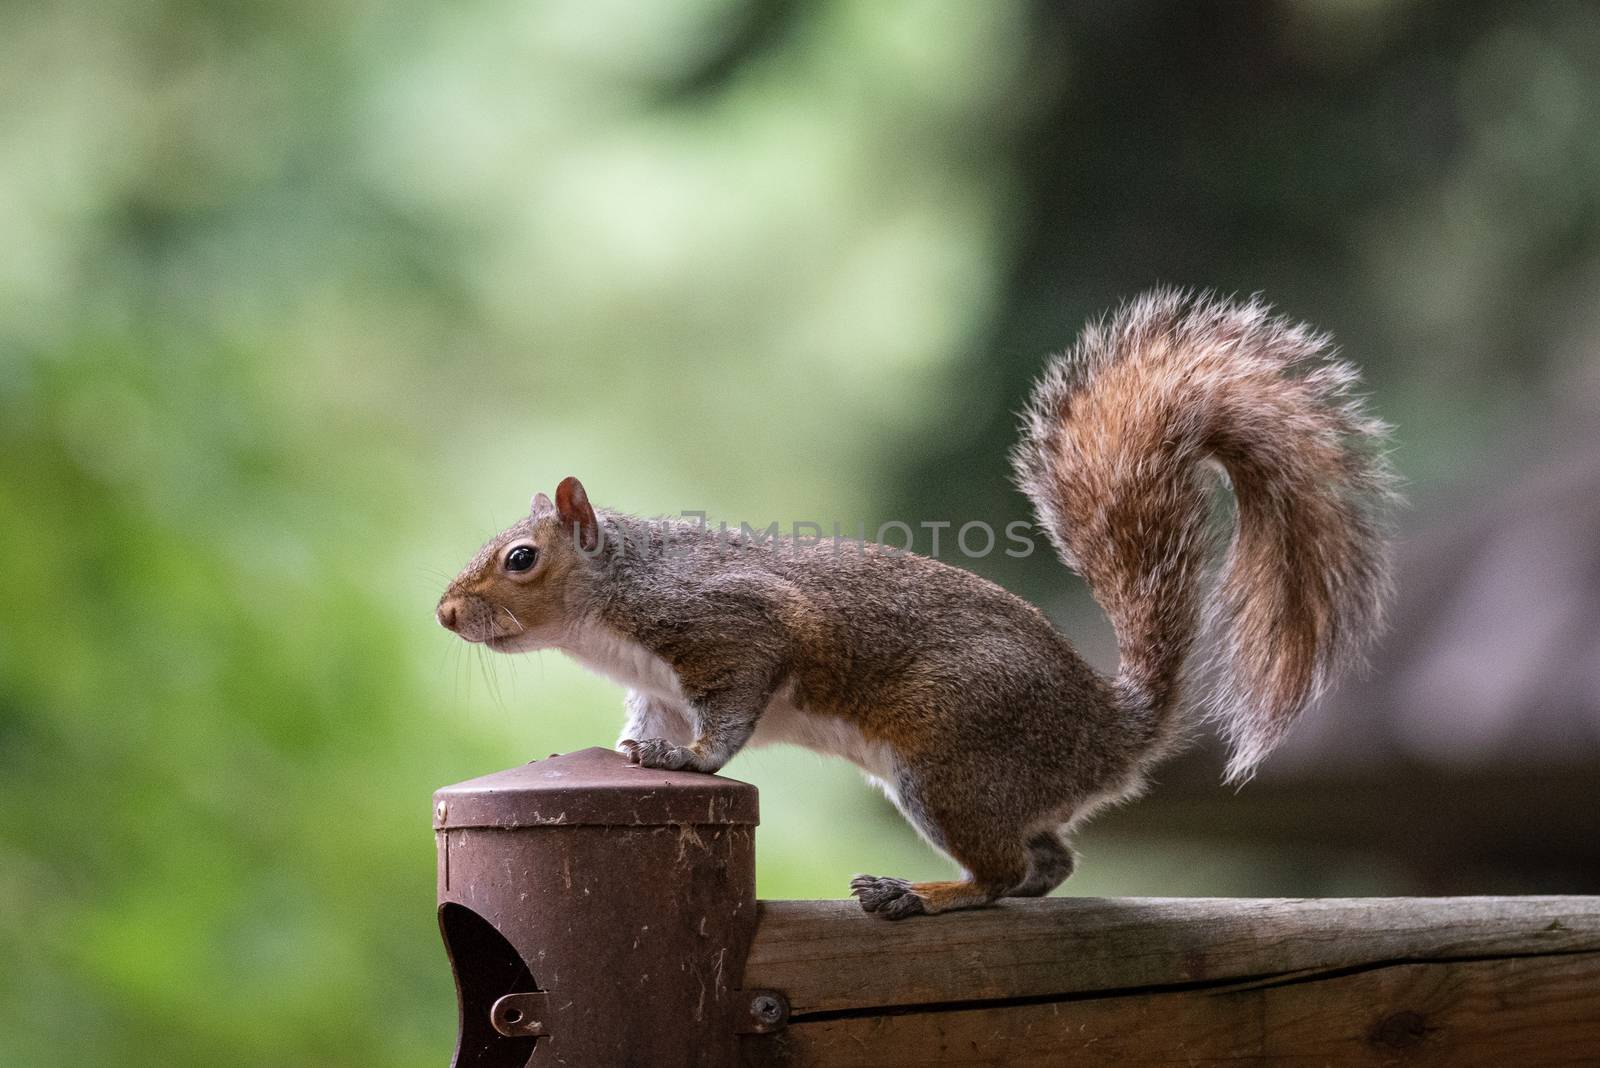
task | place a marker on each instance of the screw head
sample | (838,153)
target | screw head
(766,1008)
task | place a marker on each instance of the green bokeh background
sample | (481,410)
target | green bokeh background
(301,301)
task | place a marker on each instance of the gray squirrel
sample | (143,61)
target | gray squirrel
(973,713)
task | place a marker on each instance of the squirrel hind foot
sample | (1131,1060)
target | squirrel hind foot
(892,899)
(898,899)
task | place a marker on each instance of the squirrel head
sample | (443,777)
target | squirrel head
(524,586)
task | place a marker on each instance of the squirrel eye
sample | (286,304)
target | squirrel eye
(521,558)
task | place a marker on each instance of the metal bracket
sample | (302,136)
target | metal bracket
(755,1012)
(520,1015)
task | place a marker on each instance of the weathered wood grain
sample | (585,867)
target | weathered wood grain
(1520,1012)
(829,957)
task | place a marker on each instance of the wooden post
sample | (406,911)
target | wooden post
(598,914)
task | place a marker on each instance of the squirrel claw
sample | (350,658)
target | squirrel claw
(657,753)
(893,899)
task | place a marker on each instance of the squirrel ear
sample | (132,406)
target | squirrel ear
(573,505)
(540,505)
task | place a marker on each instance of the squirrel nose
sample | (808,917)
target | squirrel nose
(447,615)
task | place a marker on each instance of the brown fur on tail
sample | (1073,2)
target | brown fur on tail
(1113,455)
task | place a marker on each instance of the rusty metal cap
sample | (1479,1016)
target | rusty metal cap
(593,786)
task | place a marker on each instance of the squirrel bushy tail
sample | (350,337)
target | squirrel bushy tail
(1114,455)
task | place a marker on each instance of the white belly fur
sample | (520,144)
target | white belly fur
(623,660)
(786,721)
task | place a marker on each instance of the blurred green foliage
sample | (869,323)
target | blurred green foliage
(299,302)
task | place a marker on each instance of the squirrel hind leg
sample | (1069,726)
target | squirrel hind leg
(1050,863)
(994,856)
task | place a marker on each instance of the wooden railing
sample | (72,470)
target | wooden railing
(1450,981)
(598,914)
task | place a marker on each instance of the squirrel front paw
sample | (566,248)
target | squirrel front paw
(893,899)
(659,753)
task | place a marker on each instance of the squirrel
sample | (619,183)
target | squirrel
(970,710)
